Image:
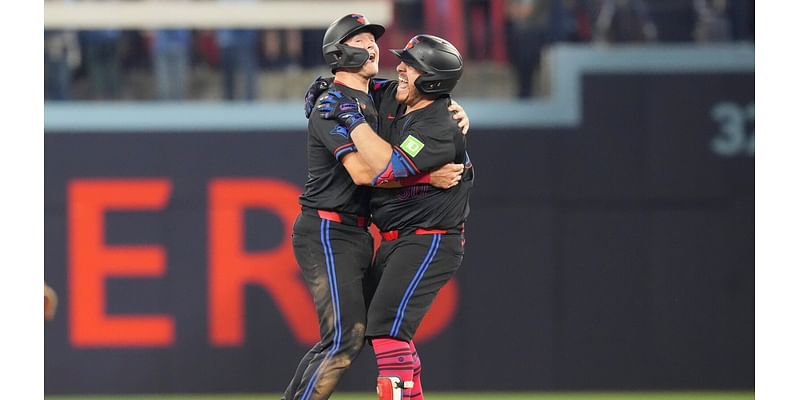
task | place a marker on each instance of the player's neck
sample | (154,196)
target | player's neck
(353,81)
(418,104)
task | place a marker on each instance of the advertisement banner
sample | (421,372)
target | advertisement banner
(616,255)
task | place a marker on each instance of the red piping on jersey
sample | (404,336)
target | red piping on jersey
(336,150)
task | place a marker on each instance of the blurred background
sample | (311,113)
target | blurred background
(610,245)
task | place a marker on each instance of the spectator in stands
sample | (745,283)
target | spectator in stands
(62,55)
(575,23)
(712,21)
(409,17)
(743,22)
(624,21)
(528,24)
(239,58)
(103,60)
(171,57)
(282,49)
(477,25)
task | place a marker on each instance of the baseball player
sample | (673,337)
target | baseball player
(330,239)
(422,227)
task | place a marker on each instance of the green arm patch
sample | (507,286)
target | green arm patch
(412,146)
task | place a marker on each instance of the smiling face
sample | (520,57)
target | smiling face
(366,41)
(407,92)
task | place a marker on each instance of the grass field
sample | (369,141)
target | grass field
(456,396)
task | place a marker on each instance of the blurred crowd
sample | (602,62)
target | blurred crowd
(105,63)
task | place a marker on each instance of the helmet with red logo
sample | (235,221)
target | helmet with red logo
(438,60)
(338,55)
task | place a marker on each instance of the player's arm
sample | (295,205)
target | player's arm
(336,140)
(318,87)
(358,169)
(390,163)
(335,106)
(460,115)
(362,174)
(386,162)
(378,89)
(443,177)
(375,151)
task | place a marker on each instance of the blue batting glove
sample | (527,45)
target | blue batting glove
(319,86)
(343,109)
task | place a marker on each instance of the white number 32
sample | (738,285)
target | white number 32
(733,139)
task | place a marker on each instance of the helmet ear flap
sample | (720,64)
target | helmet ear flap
(351,57)
(429,86)
(343,56)
(432,86)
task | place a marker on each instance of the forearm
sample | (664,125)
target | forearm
(371,148)
(358,169)
(424,179)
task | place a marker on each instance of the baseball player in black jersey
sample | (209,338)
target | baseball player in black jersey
(330,239)
(421,227)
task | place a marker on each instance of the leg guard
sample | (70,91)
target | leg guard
(391,388)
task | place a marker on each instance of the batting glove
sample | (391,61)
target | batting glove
(345,110)
(316,88)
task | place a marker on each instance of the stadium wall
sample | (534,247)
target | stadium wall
(615,254)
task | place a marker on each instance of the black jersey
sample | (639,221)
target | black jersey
(422,140)
(329,186)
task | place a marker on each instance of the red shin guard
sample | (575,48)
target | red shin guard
(389,388)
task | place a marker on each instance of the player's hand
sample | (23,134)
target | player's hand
(459,115)
(345,110)
(316,88)
(50,302)
(447,176)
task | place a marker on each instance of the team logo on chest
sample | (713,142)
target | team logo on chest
(412,146)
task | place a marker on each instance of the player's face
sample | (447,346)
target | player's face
(407,92)
(366,40)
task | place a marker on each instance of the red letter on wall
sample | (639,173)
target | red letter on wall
(91,261)
(231,268)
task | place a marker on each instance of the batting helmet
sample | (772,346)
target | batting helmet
(438,60)
(338,55)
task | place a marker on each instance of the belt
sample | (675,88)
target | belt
(342,218)
(395,234)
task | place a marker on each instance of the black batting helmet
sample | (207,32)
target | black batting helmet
(439,61)
(338,55)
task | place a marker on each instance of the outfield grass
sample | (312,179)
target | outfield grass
(456,396)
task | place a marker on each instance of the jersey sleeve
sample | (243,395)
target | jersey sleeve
(331,134)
